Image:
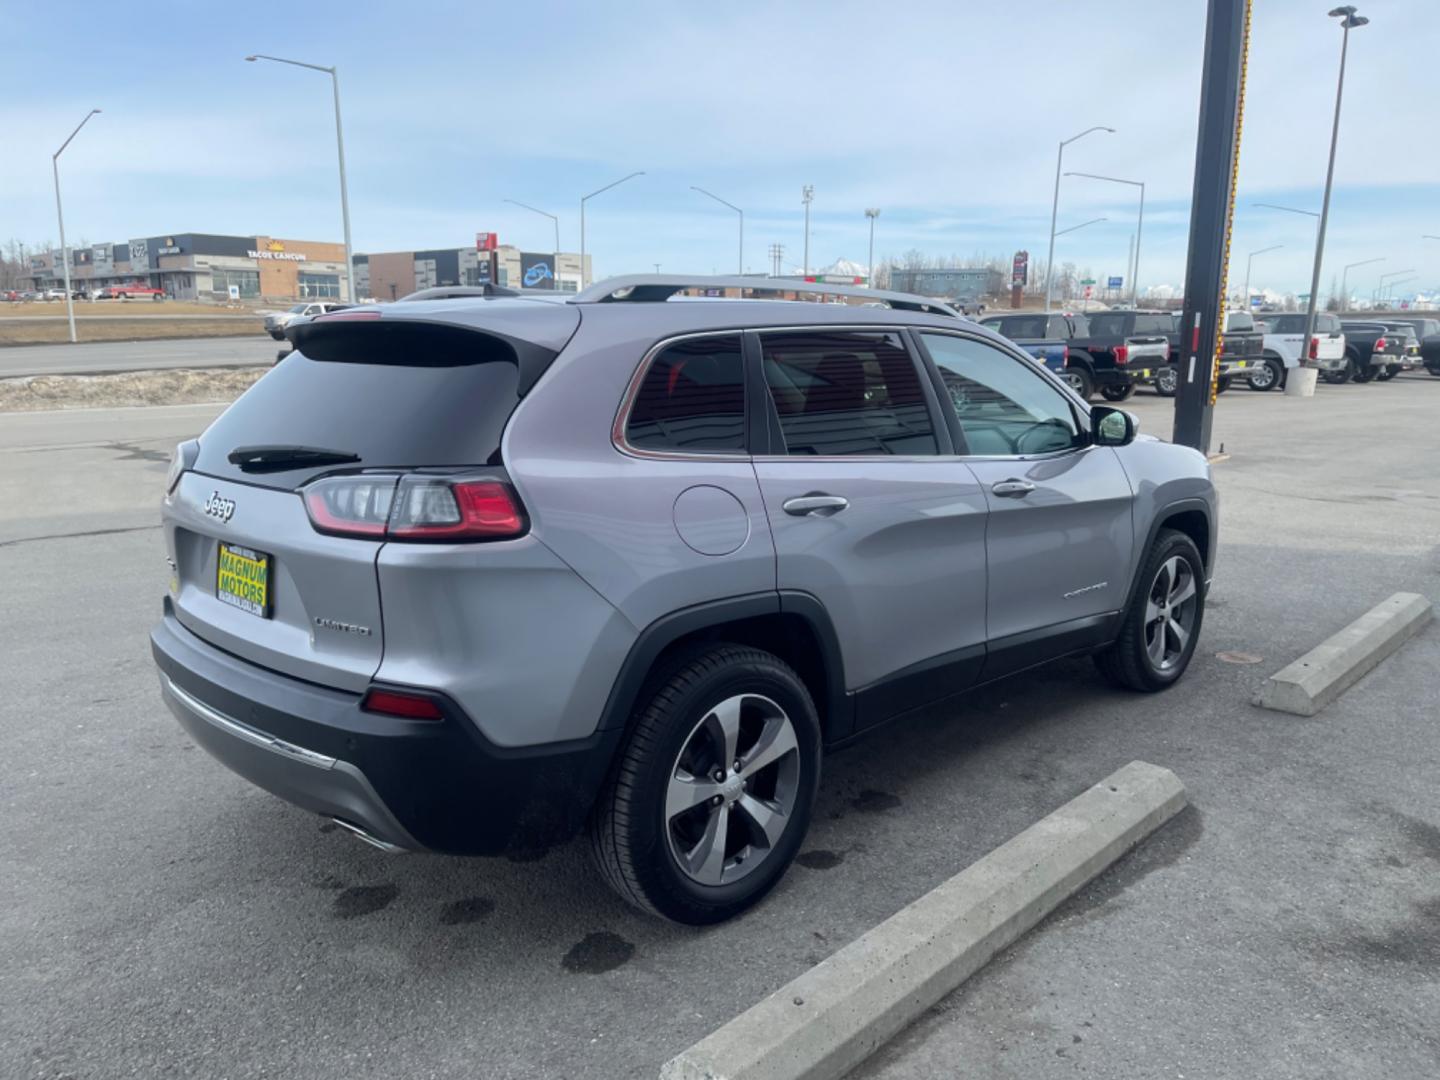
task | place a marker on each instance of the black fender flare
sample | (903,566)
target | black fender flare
(654,639)
(1157,522)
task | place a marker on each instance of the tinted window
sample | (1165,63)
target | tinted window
(1238,322)
(1107,325)
(1290,324)
(692,399)
(847,393)
(1024,326)
(1003,406)
(1152,324)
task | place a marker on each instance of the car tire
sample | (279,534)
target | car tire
(1117,393)
(1131,660)
(278,335)
(1274,375)
(1388,373)
(1167,382)
(1080,380)
(643,845)
(1434,371)
(1222,384)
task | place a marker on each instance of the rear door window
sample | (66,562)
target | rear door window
(847,393)
(691,399)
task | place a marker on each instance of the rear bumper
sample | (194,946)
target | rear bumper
(414,784)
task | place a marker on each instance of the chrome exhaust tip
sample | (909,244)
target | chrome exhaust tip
(373,841)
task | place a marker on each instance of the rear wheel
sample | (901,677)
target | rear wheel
(1079,380)
(713,792)
(1162,624)
(1362,373)
(1388,373)
(1118,392)
(1167,382)
(1222,384)
(1270,374)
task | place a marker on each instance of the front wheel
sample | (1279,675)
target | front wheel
(1267,376)
(1168,381)
(712,795)
(1080,381)
(1117,393)
(1160,628)
(1222,384)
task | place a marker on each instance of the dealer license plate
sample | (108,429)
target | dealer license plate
(242,579)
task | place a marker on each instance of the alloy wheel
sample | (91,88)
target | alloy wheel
(1167,381)
(1263,377)
(732,790)
(1170,610)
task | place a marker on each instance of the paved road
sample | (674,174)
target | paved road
(96,357)
(160,917)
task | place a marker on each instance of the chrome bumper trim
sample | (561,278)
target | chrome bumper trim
(234,727)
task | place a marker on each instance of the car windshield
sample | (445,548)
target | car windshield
(298,308)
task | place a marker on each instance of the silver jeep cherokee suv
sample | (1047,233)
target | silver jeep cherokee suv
(474,574)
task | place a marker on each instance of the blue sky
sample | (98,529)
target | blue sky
(945,116)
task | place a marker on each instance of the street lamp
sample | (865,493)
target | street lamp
(1348,21)
(872,213)
(1055,206)
(1250,259)
(556,221)
(740,269)
(1139,227)
(1380,287)
(1345,276)
(806,194)
(1062,232)
(340,147)
(60,217)
(1389,290)
(586,198)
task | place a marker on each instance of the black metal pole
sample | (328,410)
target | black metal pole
(1217,150)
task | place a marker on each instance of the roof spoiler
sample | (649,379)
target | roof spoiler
(654,288)
(453,292)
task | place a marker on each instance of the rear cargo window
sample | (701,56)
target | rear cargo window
(692,399)
(436,396)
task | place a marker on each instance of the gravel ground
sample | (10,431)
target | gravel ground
(168,387)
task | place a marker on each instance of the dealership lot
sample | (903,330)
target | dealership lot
(160,916)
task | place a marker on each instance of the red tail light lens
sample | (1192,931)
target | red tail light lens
(414,508)
(1314,348)
(1380,344)
(1122,354)
(399,703)
(470,510)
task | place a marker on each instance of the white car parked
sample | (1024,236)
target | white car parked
(277,321)
(1283,336)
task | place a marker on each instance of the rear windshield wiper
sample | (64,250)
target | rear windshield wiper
(279,458)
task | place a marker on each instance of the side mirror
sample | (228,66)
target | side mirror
(1112,427)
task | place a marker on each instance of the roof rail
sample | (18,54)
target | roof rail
(452,292)
(650,288)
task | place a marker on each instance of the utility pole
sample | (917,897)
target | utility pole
(1055,205)
(806,194)
(60,218)
(777,254)
(872,213)
(1217,147)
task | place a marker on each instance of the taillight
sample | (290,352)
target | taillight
(1122,354)
(1380,344)
(399,703)
(414,508)
(1314,348)
(1064,355)
(181,461)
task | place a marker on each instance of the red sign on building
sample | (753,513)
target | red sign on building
(486,241)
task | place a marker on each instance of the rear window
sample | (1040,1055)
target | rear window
(1025,326)
(1290,324)
(1107,325)
(692,399)
(1152,324)
(430,396)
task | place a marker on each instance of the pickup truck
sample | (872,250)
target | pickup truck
(1369,349)
(1242,348)
(125,292)
(1282,346)
(1428,330)
(1409,348)
(1118,350)
(1045,337)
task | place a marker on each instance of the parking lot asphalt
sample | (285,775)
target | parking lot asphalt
(103,357)
(160,917)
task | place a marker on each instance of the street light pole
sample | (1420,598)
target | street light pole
(340,149)
(1055,206)
(872,213)
(1349,21)
(583,200)
(60,218)
(1062,232)
(806,194)
(1139,227)
(1345,279)
(556,221)
(1380,287)
(1248,261)
(740,269)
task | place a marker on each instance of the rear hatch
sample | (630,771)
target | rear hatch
(367,400)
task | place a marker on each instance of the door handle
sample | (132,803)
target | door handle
(815,504)
(1013,489)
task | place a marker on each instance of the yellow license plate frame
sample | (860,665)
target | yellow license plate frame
(242,578)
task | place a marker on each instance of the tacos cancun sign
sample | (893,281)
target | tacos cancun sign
(283,256)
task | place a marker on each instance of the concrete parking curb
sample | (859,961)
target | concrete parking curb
(832,1017)
(1332,667)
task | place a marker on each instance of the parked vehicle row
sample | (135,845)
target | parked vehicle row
(79,292)
(276,322)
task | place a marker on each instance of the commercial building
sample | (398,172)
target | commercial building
(966,285)
(389,275)
(194,266)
